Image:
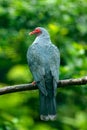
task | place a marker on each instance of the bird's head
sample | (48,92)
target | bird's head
(40,31)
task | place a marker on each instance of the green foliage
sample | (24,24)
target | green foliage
(21,74)
(66,20)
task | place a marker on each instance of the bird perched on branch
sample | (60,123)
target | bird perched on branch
(44,60)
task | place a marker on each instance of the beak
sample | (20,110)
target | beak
(33,32)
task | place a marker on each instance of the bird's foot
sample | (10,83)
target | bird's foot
(33,83)
(44,117)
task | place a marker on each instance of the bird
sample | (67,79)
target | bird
(43,59)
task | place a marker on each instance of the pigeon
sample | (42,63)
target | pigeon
(44,61)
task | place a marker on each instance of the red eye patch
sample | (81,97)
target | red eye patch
(37,30)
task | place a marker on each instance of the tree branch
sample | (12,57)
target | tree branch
(25,87)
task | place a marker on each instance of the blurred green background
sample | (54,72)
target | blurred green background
(66,21)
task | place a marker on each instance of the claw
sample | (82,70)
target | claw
(33,83)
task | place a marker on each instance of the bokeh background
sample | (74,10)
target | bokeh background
(66,21)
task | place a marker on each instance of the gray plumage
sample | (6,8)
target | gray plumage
(44,59)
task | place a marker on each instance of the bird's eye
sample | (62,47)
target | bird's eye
(38,30)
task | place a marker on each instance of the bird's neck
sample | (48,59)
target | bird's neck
(42,39)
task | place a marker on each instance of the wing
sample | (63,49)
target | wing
(35,63)
(54,62)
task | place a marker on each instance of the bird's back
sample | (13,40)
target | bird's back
(47,53)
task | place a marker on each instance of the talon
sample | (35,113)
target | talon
(33,83)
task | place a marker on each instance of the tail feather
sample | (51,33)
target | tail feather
(48,102)
(51,106)
(47,107)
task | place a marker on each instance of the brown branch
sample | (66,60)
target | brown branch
(25,87)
